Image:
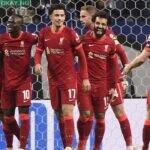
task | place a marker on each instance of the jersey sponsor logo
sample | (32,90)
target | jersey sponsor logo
(54,51)
(6,52)
(90,55)
(14,52)
(95,55)
(61,40)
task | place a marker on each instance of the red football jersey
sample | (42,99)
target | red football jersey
(114,70)
(110,33)
(59,48)
(16,61)
(98,53)
(119,49)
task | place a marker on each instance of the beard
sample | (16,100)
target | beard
(99,32)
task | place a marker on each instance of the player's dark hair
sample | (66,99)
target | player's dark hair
(56,7)
(102,14)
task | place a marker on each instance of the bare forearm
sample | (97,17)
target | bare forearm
(136,63)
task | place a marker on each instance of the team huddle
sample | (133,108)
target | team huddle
(96,84)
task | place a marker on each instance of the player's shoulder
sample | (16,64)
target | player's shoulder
(45,30)
(68,30)
(109,31)
(3,35)
(111,34)
(29,35)
(109,38)
(87,35)
(112,37)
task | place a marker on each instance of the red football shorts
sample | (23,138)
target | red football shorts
(84,99)
(62,94)
(19,96)
(96,99)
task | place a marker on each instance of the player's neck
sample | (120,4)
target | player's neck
(91,27)
(56,29)
(15,35)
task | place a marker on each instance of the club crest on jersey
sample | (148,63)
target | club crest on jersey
(6,52)
(22,44)
(61,40)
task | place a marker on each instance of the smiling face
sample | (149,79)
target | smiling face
(14,24)
(57,18)
(100,26)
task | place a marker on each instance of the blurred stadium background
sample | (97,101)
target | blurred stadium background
(130,22)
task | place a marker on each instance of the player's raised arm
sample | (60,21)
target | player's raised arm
(139,60)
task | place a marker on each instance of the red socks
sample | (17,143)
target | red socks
(11,127)
(8,136)
(99,133)
(11,124)
(24,130)
(126,130)
(84,126)
(66,126)
(146,135)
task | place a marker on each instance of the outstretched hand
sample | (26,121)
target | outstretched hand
(125,72)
